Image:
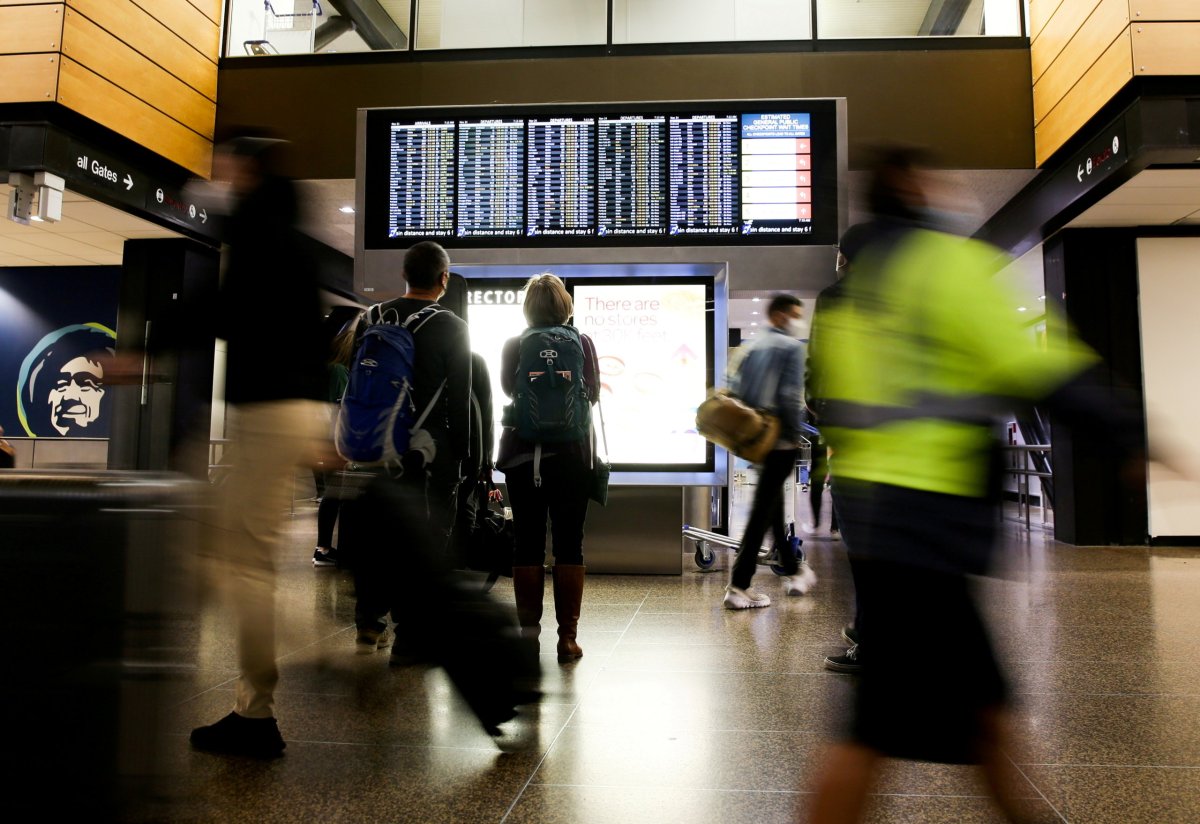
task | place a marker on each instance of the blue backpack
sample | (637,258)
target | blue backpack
(377,414)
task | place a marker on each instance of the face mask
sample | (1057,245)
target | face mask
(794,327)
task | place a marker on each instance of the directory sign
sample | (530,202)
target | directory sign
(495,311)
(753,172)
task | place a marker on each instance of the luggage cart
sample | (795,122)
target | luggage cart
(705,555)
(706,540)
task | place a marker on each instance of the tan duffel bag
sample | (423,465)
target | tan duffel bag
(745,431)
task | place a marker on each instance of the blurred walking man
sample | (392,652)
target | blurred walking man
(269,316)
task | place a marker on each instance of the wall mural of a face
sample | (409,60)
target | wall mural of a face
(62,391)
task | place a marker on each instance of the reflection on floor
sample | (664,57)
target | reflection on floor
(681,711)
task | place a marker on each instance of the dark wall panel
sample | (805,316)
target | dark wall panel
(1091,275)
(973,107)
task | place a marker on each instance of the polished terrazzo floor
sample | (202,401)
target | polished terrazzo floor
(681,711)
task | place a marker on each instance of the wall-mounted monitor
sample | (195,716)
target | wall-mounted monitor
(696,173)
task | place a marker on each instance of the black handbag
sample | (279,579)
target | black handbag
(493,540)
(601,469)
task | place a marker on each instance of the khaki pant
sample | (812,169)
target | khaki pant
(268,442)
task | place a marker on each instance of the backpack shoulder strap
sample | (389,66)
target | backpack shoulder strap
(422,316)
(376,315)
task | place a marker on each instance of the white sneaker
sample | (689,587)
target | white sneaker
(801,583)
(808,528)
(744,598)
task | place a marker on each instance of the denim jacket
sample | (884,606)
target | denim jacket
(771,377)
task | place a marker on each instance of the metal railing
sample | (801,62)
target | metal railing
(1018,463)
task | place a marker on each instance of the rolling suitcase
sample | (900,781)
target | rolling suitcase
(99,623)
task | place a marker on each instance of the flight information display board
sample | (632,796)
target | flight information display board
(491,178)
(561,195)
(631,175)
(421,169)
(704,174)
(762,172)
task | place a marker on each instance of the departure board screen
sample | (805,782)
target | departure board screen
(704,175)
(722,173)
(561,194)
(421,183)
(631,175)
(491,178)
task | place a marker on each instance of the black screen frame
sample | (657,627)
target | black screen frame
(825,173)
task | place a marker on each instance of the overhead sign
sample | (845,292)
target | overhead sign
(1101,159)
(93,172)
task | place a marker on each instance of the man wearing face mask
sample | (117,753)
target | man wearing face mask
(771,377)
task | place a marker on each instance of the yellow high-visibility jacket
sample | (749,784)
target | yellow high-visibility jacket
(917,357)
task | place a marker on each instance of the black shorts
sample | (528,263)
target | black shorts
(929,669)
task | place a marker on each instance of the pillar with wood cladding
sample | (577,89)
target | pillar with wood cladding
(1084,52)
(146,69)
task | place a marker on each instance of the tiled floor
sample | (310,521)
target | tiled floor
(681,711)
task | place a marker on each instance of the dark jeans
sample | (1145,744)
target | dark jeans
(816,486)
(327,511)
(766,513)
(563,497)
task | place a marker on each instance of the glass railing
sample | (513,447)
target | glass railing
(268,27)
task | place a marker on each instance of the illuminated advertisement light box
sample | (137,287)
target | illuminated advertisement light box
(651,340)
(656,342)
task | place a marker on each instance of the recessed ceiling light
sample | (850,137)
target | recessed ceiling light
(347,210)
(1041,297)
(753,323)
(754,313)
(755,300)
(1022,309)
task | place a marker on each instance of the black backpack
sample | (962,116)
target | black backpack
(550,401)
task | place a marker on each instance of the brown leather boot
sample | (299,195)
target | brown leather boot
(529,584)
(568,594)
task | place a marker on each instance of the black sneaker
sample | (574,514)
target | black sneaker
(850,634)
(847,662)
(325,557)
(237,735)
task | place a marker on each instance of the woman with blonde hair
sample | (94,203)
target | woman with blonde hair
(546,453)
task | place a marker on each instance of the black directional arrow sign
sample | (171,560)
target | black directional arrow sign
(109,179)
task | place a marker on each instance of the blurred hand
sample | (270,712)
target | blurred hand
(126,368)
(325,457)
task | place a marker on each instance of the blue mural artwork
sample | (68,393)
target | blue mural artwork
(57,334)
